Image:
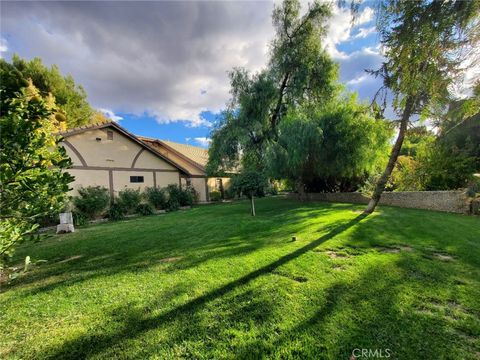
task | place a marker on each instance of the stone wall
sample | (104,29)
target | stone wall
(449,201)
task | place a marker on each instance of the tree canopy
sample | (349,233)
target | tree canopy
(329,147)
(69,97)
(32,181)
(299,70)
(427,46)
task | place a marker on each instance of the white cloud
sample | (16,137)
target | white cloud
(203,141)
(166,59)
(340,28)
(364,32)
(110,114)
(3,46)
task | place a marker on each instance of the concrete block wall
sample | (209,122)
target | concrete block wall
(448,201)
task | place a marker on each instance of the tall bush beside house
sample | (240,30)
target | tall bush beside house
(156,197)
(129,199)
(92,201)
(32,181)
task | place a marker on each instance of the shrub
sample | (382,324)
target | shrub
(79,218)
(129,199)
(229,193)
(92,201)
(145,209)
(179,197)
(187,196)
(117,211)
(215,196)
(156,197)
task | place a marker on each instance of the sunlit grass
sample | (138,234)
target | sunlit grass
(213,282)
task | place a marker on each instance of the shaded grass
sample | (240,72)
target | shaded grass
(214,282)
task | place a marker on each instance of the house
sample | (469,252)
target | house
(108,155)
(194,159)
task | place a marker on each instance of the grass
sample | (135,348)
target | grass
(213,282)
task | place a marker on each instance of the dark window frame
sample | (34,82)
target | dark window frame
(137,179)
(109,135)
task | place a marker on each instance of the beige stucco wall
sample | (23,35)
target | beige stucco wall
(84,178)
(199,185)
(167,178)
(212,183)
(121,180)
(119,152)
(147,160)
(117,156)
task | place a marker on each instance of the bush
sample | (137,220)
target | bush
(92,201)
(187,196)
(180,197)
(156,197)
(79,218)
(145,209)
(228,193)
(215,196)
(117,211)
(129,199)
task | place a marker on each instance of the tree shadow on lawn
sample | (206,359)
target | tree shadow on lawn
(194,245)
(369,312)
(92,344)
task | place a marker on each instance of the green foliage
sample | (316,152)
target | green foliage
(445,167)
(329,146)
(180,197)
(156,197)
(145,209)
(250,183)
(79,218)
(116,211)
(129,199)
(70,98)
(92,201)
(215,196)
(174,195)
(374,283)
(299,70)
(425,44)
(32,181)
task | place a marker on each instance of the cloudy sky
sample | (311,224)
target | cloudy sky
(160,68)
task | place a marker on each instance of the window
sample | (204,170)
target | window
(109,135)
(189,182)
(136,179)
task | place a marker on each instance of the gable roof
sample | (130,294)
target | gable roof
(123,131)
(194,155)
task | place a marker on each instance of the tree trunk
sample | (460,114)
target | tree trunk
(278,107)
(301,190)
(380,187)
(253,205)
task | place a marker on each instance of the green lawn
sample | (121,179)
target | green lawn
(213,282)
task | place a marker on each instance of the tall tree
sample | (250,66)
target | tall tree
(299,70)
(425,45)
(32,181)
(331,147)
(70,98)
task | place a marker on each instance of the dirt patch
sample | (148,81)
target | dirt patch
(443,257)
(336,255)
(337,267)
(388,250)
(170,259)
(71,258)
(393,249)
